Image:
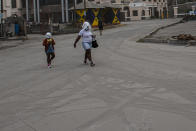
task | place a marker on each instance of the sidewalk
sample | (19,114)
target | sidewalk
(163,35)
(109,26)
(182,28)
(9,44)
(15,41)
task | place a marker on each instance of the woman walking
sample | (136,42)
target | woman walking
(87,37)
(100,25)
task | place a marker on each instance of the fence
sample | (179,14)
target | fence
(2,30)
(54,28)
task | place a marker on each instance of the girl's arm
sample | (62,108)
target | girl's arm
(53,42)
(44,42)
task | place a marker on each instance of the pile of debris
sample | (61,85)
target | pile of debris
(184,37)
(190,40)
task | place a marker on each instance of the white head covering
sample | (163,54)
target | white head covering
(86,26)
(48,35)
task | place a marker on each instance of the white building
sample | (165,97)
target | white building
(101,1)
(11,7)
(141,9)
(145,9)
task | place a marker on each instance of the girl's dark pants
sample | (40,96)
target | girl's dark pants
(50,57)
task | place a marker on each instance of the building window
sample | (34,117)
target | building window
(50,2)
(13,3)
(126,8)
(23,3)
(135,13)
(113,1)
(143,12)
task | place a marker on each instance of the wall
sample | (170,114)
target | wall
(139,16)
(17,9)
(8,10)
(157,8)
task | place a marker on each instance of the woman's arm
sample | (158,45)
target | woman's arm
(77,39)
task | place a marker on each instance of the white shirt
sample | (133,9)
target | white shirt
(86,35)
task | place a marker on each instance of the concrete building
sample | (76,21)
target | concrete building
(37,10)
(145,9)
(182,9)
(8,9)
(55,11)
(101,1)
(12,7)
(141,9)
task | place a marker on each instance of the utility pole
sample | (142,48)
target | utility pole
(62,10)
(1,17)
(84,4)
(1,7)
(85,8)
(27,10)
(38,11)
(74,13)
(153,10)
(176,10)
(35,12)
(67,11)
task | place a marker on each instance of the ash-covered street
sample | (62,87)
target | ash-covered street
(133,86)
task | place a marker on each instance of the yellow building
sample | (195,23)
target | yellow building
(110,14)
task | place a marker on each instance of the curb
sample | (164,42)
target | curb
(148,38)
(23,38)
(110,27)
(153,40)
(60,33)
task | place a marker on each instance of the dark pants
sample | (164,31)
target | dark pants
(50,57)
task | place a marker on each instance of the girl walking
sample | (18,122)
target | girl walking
(49,48)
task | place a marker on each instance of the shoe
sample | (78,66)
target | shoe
(85,62)
(49,66)
(92,64)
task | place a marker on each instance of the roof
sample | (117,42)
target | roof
(51,8)
(137,1)
(110,5)
(89,5)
